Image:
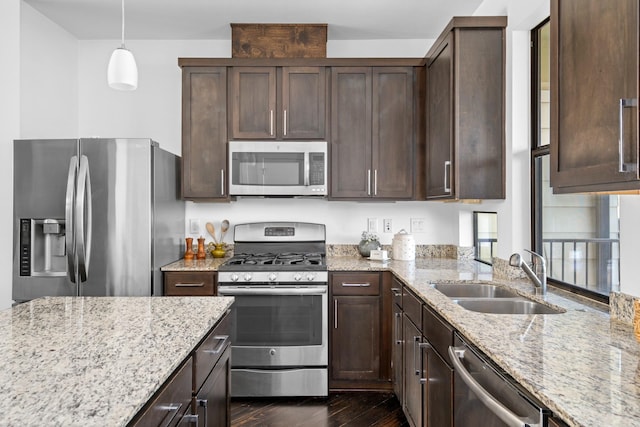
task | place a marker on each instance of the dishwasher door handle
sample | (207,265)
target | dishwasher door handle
(494,405)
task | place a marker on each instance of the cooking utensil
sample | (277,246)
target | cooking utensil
(224,227)
(212,230)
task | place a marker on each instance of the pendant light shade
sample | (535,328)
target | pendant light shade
(122,73)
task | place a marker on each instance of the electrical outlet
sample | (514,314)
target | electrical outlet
(194,226)
(418,225)
(386,225)
(372,225)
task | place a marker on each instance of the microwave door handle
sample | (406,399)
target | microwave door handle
(306,169)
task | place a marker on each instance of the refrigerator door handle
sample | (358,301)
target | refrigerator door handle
(69,218)
(83,213)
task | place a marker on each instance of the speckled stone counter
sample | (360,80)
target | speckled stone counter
(208,264)
(581,364)
(94,361)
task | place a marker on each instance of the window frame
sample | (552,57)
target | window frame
(539,151)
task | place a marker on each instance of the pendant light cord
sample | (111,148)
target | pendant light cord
(123,24)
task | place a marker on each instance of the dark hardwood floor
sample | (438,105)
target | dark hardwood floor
(353,409)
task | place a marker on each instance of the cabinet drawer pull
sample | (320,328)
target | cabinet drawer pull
(416,353)
(189,285)
(624,103)
(222,340)
(189,419)
(397,329)
(396,292)
(447,172)
(171,407)
(335,314)
(356,285)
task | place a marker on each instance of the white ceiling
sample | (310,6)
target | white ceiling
(210,19)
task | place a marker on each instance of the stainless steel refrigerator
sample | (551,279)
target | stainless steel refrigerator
(94,216)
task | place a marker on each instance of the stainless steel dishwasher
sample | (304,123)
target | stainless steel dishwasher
(486,397)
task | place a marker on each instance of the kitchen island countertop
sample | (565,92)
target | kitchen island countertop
(95,361)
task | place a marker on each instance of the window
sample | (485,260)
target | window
(485,236)
(578,234)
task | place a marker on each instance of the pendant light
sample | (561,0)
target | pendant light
(122,73)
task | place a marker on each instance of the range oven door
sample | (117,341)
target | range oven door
(278,326)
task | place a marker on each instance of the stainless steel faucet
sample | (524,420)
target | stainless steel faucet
(539,278)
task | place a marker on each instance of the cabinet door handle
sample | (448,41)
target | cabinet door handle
(335,313)
(624,103)
(375,182)
(356,285)
(396,292)
(284,120)
(189,285)
(368,182)
(416,353)
(271,122)
(204,403)
(396,331)
(189,419)
(222,192)
(447,172)
(171,408)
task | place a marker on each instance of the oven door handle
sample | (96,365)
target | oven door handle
(237,290)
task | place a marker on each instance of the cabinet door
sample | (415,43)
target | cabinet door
(355,339)
(253,97)
(351,132)
(303,103)
(204,132)
(213,399)
(412,404)
(586,94)
(392,142)
(397,362)
(438,396)
(440,122)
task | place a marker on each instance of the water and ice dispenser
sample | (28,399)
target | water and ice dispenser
(42,247)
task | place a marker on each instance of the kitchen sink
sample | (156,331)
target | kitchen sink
(477,290)
(506,306)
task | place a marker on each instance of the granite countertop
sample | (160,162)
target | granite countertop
(207,264)
(95,361)
(581,364)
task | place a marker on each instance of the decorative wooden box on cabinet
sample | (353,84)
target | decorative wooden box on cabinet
(372,133)
(465,127)
(278,102)
(594,113)
(204,133)
(360,332)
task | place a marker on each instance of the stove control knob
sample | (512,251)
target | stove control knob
(272,277)
(234,277)
(311,277)
(247,277)
(297,277)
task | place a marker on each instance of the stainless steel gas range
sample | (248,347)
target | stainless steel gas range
(278,277)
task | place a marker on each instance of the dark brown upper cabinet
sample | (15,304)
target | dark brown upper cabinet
(372,133)
(204,133)
(594,93)
(465,109)
(278,102)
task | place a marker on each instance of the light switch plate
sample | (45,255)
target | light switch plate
(418,225)
(372,225)
(194,226)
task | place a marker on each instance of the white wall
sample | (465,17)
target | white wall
(49,78)
(9,130)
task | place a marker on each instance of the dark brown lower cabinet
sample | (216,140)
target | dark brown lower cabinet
(438,397)
(396,353)
(359,332)
(212,401)
(412,402)
(189,283)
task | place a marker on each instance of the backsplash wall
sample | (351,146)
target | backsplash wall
(446,223)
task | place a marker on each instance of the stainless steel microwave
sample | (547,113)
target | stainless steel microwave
(278,168)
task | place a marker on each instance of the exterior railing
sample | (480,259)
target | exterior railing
(570,260)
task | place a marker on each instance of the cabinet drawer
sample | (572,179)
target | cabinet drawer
(355,283)
(397,291)
(209,352)
(412,306)
(189,283)
(172,402)
(437,331)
